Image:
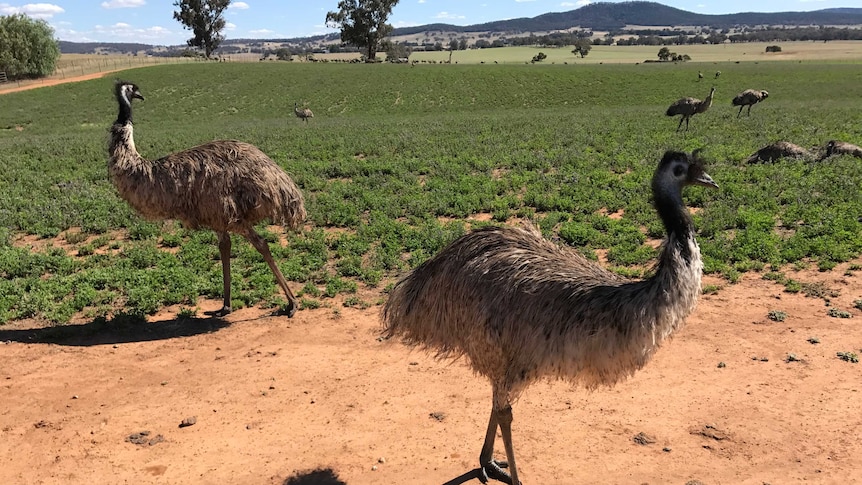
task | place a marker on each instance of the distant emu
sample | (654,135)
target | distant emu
(717,74)
(749,98)
(225,185)
(522,308)
(302,113)
(779,150)
(688,107)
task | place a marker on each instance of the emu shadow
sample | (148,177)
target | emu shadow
(123,328)
(321,476)
(474,473)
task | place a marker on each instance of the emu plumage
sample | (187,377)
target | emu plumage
(521,308)
(224,185)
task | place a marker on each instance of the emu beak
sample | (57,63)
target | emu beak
(705,180)
(137,94)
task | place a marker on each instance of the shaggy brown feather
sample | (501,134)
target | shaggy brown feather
(779,150)
(688,107)
(520,307)
(835,147)
(749,98)
(226,185)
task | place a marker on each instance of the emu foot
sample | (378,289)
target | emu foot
(289,309)
(494,470)
(220,313)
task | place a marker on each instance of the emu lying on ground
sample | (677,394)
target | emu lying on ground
(688,107)
(302,113)
(520,307)
(749,98)
(225,185)
(778,150)
(835,147)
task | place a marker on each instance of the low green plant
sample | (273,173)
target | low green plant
(777,315)
(836,313)
(848,357)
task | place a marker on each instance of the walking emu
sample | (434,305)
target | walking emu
(749,98)
(688,107)
(225,185)
(302,113)
(778,150)
(835,147)
(521,307)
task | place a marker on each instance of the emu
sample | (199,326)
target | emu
(778,150)
(522,308)
(835,147)
(688,107)
(224,185)
(749,98)
(302,113)
(717,74)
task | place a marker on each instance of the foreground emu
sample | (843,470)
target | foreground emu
(522,308)
(225,185)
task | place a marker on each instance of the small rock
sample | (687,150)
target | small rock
(722,365)
(643,439)
(190,421)
(438,415)
(374,468)
(75,396)
(666,449)
(381,460)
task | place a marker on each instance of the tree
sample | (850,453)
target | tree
(664,54)
(27,47)
(582,47)
(362,23)
(395,51)
(205,19)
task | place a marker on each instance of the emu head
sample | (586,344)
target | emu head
(127,91)
(830,148)
(681,169)
(764,94)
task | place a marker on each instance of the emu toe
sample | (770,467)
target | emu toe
(289,309)
(222,312)
(494,470)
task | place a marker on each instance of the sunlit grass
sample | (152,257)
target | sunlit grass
(400,160)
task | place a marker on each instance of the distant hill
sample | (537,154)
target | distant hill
(595,16)
(615,16)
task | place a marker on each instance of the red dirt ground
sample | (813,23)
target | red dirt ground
(275,399)
(318,400)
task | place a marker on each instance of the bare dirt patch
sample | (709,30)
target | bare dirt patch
(280,401)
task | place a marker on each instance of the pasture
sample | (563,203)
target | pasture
(397,162)
(400,160)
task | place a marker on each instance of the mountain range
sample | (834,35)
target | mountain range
(595,16)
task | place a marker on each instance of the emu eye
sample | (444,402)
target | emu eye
(679,171)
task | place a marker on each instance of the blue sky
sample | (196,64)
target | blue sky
(151,21)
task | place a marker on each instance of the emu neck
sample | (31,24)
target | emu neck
(677,221)
(122,143)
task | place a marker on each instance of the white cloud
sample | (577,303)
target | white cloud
(238,6)
(421,1)
(260,31)
(124,31)
(579,3)
(123,3)
(35,10)
(524,1)
(229,26)
(449,16)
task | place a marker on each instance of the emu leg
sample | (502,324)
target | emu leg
(740,111)
(749,109)
(491,468)
(263,248)
(680,123)
(224,252)
(504,417)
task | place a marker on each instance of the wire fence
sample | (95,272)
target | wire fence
(73,66)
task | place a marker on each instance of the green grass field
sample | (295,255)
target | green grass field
(400,160)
